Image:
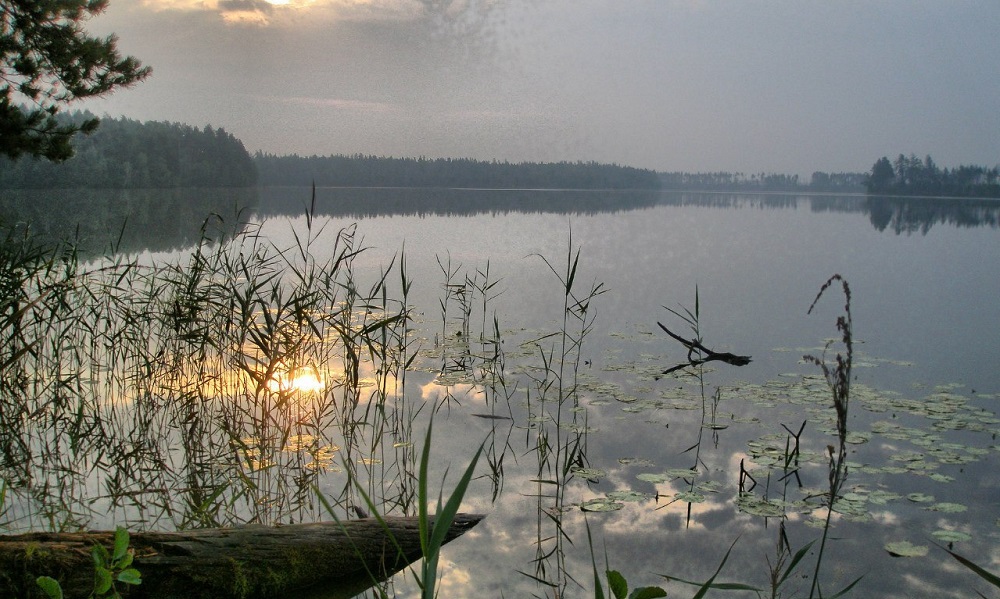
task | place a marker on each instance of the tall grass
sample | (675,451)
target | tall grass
(838,378)
(226,387)
(209,391)
(786,562)
(558,438)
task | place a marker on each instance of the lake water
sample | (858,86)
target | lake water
(925,318)
(655,464)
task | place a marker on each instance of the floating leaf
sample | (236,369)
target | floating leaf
(758,506)
(709,486)
(855,510)
(651,477)
(690,497)
(880,497)
(920,498)
(906,549)
(681,473)
(857,438)
(637,461)
(627,496)
(602,504)
(589,472)
(907,456)
(947,508)
(941,478)
(951,536)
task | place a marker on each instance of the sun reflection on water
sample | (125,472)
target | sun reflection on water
(297,380)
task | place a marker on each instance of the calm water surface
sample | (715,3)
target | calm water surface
(655,464)
(925,319)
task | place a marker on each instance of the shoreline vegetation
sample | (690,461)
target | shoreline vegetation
(911,176)
(134,186)
(128,154)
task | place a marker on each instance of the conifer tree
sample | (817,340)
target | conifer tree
(47,61)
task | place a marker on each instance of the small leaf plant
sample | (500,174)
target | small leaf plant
(109,570)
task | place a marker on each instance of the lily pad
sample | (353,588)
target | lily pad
(636,461)
(602,504)
(880,497)
(681,473)
(655,478)
(941,478)
(951,536)
(589,472)
(906,549)
(858,438)
(627,496)
(709,486)
(947,508)
(758,506)
(690,497)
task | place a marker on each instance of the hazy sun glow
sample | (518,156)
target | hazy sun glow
(277,12)
(303,380)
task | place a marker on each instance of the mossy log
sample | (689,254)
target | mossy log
(323,559)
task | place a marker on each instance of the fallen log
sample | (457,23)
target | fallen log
(327,559)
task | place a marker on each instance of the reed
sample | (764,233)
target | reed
(559,436)
(786,562)
(838,378)
(229,387)
(433,528)
(205,392)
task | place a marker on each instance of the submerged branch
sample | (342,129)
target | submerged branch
(694,345)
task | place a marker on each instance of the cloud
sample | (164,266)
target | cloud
(456,17)
(257,12)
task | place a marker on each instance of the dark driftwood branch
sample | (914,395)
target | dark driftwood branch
(708,355)
(336,559)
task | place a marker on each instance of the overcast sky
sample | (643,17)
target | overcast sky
(787,86)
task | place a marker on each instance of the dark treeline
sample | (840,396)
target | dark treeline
(759,182)
(372,171)
(126,154)
(913,176)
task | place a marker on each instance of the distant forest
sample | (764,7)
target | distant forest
(913,176)
(134,185)
(131,186)
(127,154)
(360,170)
(724,181)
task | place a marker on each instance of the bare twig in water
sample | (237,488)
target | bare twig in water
(693,345)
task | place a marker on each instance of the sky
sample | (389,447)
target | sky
(783,86)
